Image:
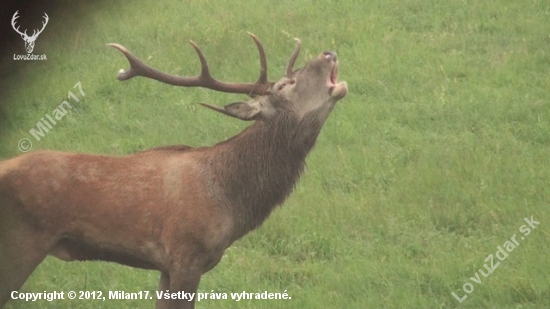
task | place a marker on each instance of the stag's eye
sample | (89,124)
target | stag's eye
(285,83)
(290,82)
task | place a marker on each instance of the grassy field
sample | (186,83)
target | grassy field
(434,159)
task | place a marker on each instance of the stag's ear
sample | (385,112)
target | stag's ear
(242,110)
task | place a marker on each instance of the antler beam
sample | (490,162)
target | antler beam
(205,79)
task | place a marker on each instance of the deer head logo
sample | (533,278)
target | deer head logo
(29,40)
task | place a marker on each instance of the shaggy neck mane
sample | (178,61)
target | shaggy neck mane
(259,168)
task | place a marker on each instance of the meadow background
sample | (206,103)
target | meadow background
(432,161)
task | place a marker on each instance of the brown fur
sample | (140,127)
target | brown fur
(174,209)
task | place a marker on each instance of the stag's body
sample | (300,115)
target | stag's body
(174,209)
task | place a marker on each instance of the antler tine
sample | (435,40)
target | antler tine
(263,62)
(44,23)
(219,110)
(205,79)
(205,71)
(135,63)
(292,60)
(16,16)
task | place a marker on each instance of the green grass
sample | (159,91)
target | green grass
(431,162)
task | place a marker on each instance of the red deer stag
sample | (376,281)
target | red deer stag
(174,209)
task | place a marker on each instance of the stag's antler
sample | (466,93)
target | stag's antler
(205,79)
(292,60)
(43,26)
(24,34)
(15,16)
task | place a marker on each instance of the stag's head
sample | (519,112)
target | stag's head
(29,40)
(311,90)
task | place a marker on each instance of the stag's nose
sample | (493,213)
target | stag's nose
(330,55)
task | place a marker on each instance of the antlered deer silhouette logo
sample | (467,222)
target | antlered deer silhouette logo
(29,40)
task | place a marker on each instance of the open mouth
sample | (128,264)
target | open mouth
(334,73)
(337,90)
(333,60)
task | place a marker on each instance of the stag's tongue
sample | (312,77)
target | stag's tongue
(333,76)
